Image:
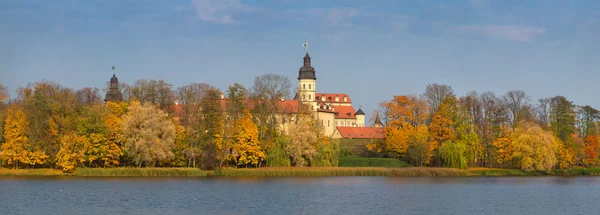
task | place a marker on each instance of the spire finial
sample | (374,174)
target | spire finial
(113,69)
(305,46)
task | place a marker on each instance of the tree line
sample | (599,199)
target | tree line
(439,128)
(51,126)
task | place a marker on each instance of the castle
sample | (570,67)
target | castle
(333,110)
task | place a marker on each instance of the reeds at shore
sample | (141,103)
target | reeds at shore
(295,172)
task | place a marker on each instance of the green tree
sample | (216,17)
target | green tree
(277,155)
(212,128)
(562,117)
(453,155)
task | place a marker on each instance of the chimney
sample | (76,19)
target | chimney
(281,98)
(222,95)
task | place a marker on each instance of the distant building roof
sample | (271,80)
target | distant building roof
(307,71)
(359,112)
(344,112)
(330,97)
(361,132)
(113,93)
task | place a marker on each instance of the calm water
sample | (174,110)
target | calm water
(330,195)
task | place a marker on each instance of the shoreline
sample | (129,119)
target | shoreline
(299,172)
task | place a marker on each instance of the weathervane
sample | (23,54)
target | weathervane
(305,46)
(113,68)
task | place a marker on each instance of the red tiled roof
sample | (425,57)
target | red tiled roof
(330,97)
(344,112)
(361,132)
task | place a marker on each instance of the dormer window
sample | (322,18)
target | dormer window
(345,99)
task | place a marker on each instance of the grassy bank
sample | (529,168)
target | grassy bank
(297,171)
(352,161)
(345,171)
(258,172)
(30,172)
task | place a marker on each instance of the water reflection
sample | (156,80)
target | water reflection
(304,195)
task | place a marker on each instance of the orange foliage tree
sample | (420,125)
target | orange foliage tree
(399,127)
(591,151)
(504,146)
(441,127)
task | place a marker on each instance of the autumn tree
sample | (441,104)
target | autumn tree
(72,151)
(504,146)
(4,96)
(399,127)
(14,150)
(302,140)
(419,151)
(534,148)
(112,145)
(247,149)
(591,151)
(441,128)
(180,147)
(148,134)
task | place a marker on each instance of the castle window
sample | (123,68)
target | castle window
(309,86)
(327,123)
(303,97)
(309,96)
(303,86)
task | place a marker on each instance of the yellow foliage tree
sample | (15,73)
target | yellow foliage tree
(247,149)
(534,148)
(72,151)
(14,150)
(419,149)
(17,148)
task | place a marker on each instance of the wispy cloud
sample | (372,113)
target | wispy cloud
(341,16)
(221,11)
(509,32)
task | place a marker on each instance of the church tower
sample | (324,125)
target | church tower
(307,83)
(113,94)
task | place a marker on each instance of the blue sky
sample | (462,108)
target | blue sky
(371,50)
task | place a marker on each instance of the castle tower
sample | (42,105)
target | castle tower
(113,94)
(360,118)
(377,123)
(307,83)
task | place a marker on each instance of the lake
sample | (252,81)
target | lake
(300,195)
